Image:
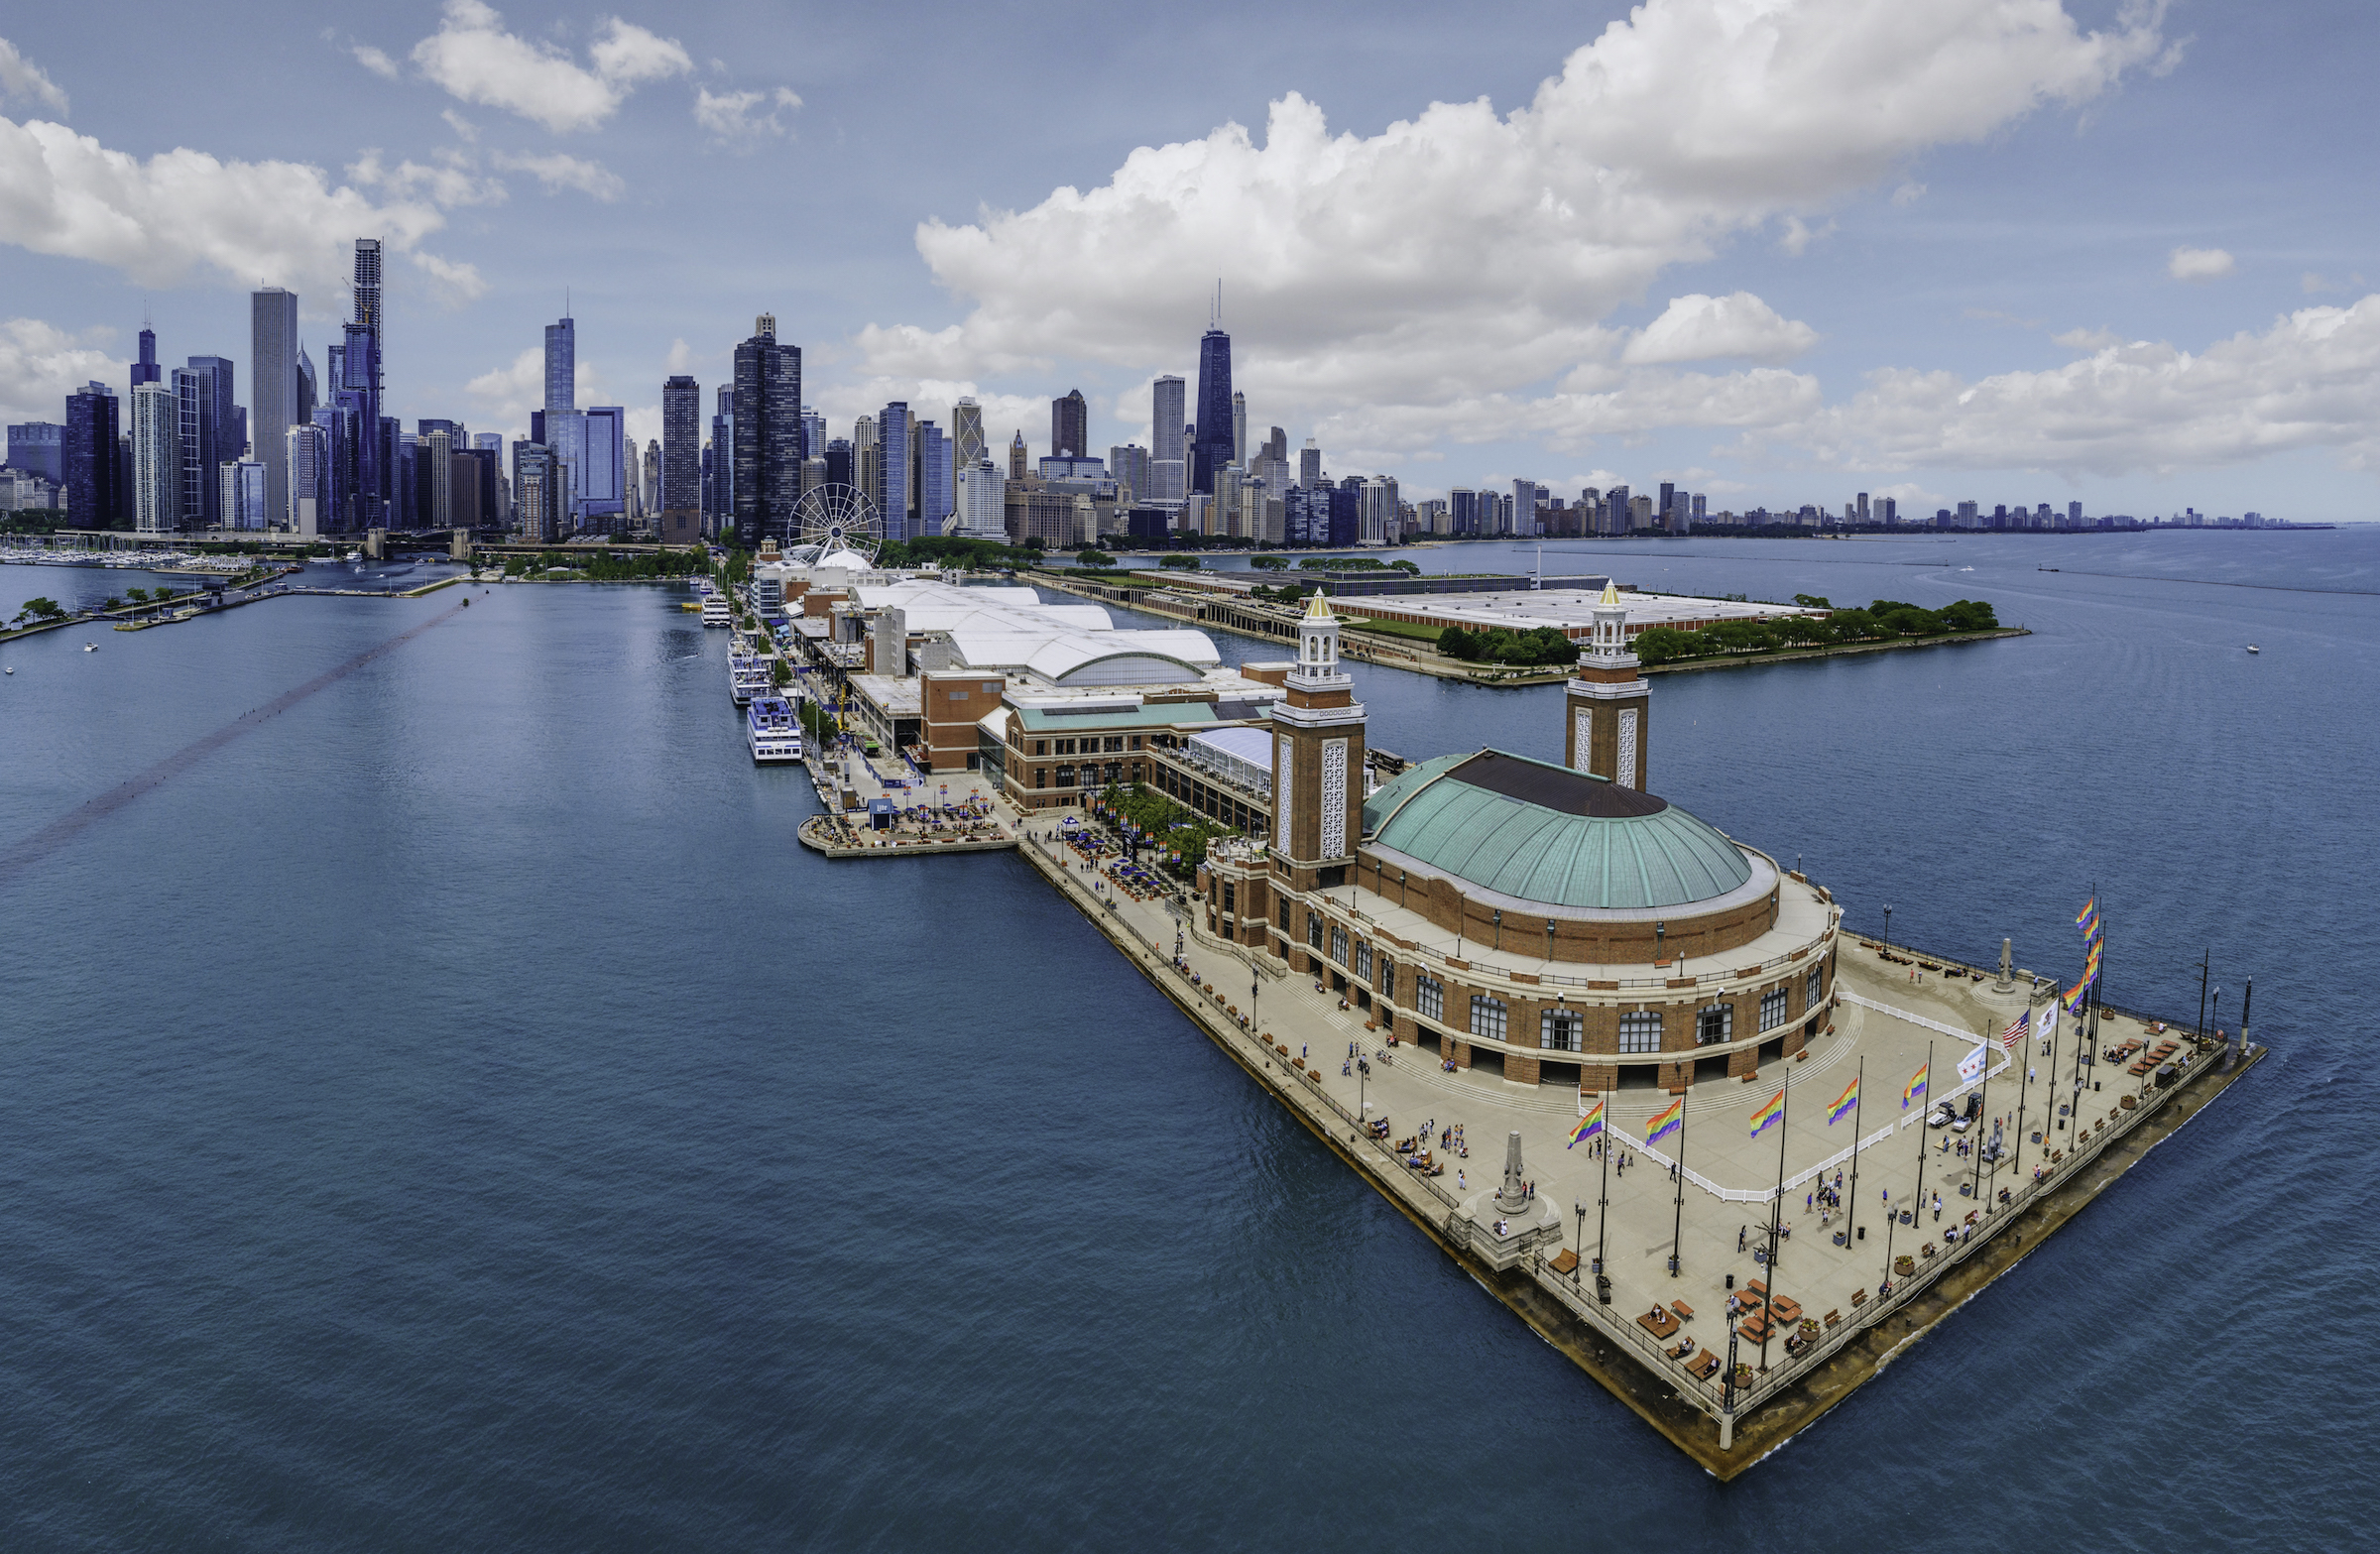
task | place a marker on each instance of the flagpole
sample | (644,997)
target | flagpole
(1983,1095)
(1921,1143)
(1859,1115)
(1776,1212)
(1677,1232)
(1602,1203)
(2024,1083)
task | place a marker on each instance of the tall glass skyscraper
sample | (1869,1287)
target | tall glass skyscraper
(768,436)
(893,432)
(561,367)
(1213,449)
(682,446)
(364,477)
(934,491)
(273,387)
(94,498)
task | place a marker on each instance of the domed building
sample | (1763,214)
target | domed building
(1558,922)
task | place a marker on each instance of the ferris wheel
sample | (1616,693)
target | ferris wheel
(836,517)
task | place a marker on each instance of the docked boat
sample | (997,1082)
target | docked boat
(774,730)
(715,610)
(748,677)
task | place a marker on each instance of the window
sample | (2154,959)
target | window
(1313,931)
(1337,944)
(1040,776)
(1817,989)
(1560,1030)
(1114,742)
(1385,983)
(1227,890)
(1640,1031)
(1714,1024)
(1065,747)
(1065,774)
(1284,916)
(1429,996)
(1363,960)
(1041,747)
(1773,1008)
(1136,742)
(1486,1018)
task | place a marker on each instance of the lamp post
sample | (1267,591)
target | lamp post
(1888,927)
(1580,1210)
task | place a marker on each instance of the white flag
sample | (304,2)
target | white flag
(1972,1064)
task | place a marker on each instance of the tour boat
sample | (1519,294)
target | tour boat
(748,677)
(2252,648)
(716,611)
(773,730)
(355,555)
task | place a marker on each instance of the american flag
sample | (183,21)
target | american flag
(2015,1033)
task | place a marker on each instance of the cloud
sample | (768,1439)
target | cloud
(461,126)
(21,77)
(183,211)
(451,183)
(735,116)
(2087,339)
(1799,236)
(2201,264)
(1697,327)
(2311,381)
(475,60)
(557,172)
(40,364)
(1909,193)
(680,359)
(510,391)
(1461,254)
(376,61)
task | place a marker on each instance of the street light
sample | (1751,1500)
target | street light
(1579,1208)
(1888,927)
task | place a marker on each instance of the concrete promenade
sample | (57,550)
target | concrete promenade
(2062,1146)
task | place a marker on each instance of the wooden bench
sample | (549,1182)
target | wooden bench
(1684,1311)
(1704,1367)
(1757,1287)
(1658,1323)
(1787,1310)
(1566,1262)
(1753,1327)
(1833,1317)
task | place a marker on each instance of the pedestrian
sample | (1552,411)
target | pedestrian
(1460,1183)
(1741,1231)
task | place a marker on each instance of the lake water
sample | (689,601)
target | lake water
(453,1112)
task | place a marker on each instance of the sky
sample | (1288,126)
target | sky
(1777,251)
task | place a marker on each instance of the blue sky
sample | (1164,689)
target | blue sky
(1779,250)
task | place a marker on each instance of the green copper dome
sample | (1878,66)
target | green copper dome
(1541,833)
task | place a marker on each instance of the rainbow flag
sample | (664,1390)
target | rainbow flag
(1769,1113)
(2073,995)
(1671,1119)
(1588,1125)
(2088,917)
(1916,1088)
(1844,1102)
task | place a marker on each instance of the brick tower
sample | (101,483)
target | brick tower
(1317,759)
(1607,707)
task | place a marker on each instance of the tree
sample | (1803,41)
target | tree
(1666,644)
(113,602)
(1409,568)
(1969,615)
(137,595)
(1268,563)
(1036,542)
(1812,601)
(1180,563)
(1093,557)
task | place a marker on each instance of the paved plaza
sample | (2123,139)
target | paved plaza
(1888,1015)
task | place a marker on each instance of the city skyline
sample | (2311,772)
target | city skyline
(1949,311)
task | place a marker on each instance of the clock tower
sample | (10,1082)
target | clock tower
(1608,704)
(1317,758)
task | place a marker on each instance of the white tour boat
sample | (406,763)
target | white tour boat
(774,730)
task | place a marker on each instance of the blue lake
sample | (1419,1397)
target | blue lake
(453,1113)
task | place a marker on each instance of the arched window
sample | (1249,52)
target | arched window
(1640,1030)
(1714,1024)
(1486,1018)
(1561,1030)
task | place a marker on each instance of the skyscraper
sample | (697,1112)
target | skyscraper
(561,367)
(367,284)
(935,495)
(600,484)
(89,467)
(681,445)
(894,435)
(308,457)
(357,384)
(146,369)
(1166,419)
(1213,449)
(1240,428)
(1309,464)
(217,440)
(156,458)
(768,436)
(967,445)
(1070,426)
(722,456)
(273,387)
(1017,455)
(37,447)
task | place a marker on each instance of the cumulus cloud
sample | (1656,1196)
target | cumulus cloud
(474,59)
(20,78)
(743,116)
(2087,339)
(1909,193)
(40,364)
(2311,381)
(463,128)
(450,181)
(1698,329)
(2199,264)
(183,211)
(1462,255)
(376,61)
(558,173)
